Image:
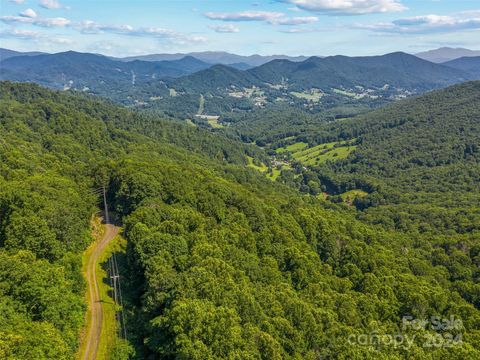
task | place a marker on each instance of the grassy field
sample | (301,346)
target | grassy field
(348,93)
(324,152)
(292,148)
(274,175)
(314,96)
(213,122)
(262,168)
(201,105)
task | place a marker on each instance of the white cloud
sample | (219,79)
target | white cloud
(427,24)
(469,13)
(30,13)
(295,20)
(274,18)
(297,30)
(61,41)
(50,4)
(229,28)
(295,9)
(348,7)
(425,20)
(167,35)
(244,16)
(21,34)
(44,22)
(171,36)
(36,36)
(14,19)
(92,27)
(59,21)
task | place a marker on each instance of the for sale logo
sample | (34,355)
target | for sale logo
(433,332)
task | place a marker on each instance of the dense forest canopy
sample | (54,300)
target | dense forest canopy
(418,159)
(224,263)
(54,150)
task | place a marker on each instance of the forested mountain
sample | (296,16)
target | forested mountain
(6,53)
(217,79)
(96,73)
(222,262)
(314,84)
(218,57)
(418,160)
(54,151)
(445,54)
(469,64)
(397,70)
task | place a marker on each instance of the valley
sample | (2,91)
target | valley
(339,208)
(266,206)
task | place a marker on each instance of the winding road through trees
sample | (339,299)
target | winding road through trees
(93,335)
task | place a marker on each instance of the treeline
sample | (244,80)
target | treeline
(55,150)
(46,202)
(222,262)
(225,270)
(256,271)
(418,159)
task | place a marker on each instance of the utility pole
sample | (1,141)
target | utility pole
(115,280)
(107,219)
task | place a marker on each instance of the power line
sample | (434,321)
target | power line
(115,281)
(120,296)
(107,219)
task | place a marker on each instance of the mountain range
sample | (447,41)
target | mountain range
(6,53)
(134,82)
(469,64)
(399,70)
(445,54)
(243,62)
(82,70)
(218,57)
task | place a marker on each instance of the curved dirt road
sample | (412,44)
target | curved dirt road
(93,335)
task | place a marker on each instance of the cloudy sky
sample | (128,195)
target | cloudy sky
(294,27)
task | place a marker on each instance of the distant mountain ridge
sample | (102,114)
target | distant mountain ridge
(79,70)
(178,84)
(469,64)
(445,54)
(218,57)
(393,70)
(6,53)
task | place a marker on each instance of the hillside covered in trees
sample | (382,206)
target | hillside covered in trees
(418,160)
(222,263)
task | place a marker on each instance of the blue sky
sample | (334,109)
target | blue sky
(293,27)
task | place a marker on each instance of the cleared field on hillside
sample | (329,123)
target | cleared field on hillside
(261,168)
(292,148)
(348,93)
(319,154)
(308,95)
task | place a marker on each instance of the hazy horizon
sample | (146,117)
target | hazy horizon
(232,53)
(282,27)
